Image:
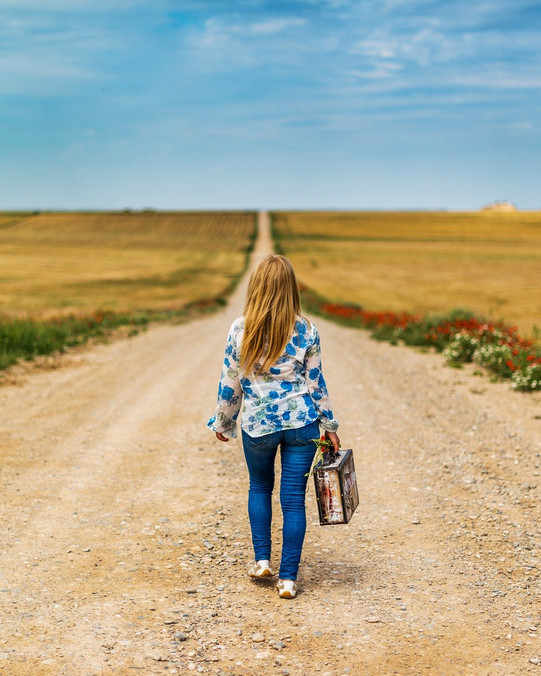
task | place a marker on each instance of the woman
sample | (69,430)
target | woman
(272,361)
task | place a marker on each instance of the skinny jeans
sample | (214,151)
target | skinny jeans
(296,452)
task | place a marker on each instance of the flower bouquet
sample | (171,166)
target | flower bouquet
(325,453)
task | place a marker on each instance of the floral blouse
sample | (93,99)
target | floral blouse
(292,394)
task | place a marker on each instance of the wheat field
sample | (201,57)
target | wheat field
(63,263)
(425,262)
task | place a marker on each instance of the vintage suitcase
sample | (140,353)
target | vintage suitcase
(336,489)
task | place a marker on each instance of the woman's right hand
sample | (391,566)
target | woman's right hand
(333,437)
(221,437)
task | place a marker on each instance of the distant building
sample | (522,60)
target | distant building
(500,205)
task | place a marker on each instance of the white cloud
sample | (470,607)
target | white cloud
(50,6)
(223,45)
(422,47)
(215,27)
(42,53)
(495,80)
(379,48)
(38,66)
(333,4)
(275,25)
(377,71)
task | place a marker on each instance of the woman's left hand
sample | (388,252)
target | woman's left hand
(333,437)
(221,437)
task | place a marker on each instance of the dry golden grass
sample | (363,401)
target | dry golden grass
(426,262)
(60,263)
(10,218)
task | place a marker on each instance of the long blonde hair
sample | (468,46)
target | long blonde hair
(272,305)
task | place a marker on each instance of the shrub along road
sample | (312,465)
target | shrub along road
(125,541)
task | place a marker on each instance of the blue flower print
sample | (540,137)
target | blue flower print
(290,394)
(299,340)
(227,392)
(246,386)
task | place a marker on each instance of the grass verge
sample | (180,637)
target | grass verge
(458,335)
(27,338)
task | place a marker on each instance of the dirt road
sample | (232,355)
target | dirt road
(125,540)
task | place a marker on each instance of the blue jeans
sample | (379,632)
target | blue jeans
(297,452)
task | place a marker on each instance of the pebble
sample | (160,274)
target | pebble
(502,493)
(278,645)
(258,637)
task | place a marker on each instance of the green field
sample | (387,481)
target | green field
(422,262)
(59,264)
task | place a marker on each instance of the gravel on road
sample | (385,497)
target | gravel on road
(125,544)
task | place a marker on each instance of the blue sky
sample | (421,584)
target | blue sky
(252,104)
